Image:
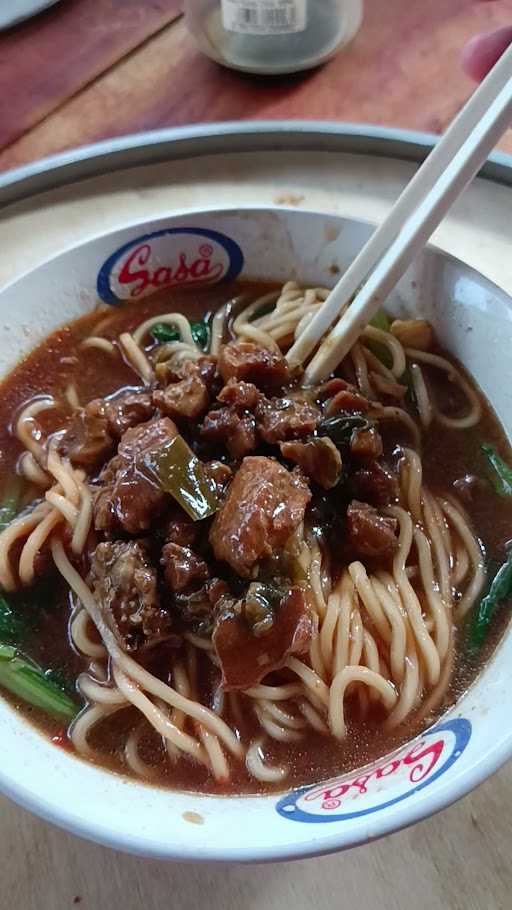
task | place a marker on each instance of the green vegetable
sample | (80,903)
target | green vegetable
(383,322)
(263,310)
(179,472)
(164,333)
(10,505)
(502,474)
(500,590)
(406,379)
(61,680)
(12,626)
(29,682)
(201,334)
(340,427)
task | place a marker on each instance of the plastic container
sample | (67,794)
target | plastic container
(272,36)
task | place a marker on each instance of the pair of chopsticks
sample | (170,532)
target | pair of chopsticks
(452,164)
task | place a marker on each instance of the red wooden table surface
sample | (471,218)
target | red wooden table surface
(84,71)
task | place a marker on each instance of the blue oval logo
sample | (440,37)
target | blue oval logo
(172,257)
(381,785)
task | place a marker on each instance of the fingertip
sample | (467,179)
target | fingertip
(483,51)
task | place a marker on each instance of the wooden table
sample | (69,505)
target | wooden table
(89,70)
(85,71)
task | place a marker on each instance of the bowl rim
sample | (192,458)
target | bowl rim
(459,785)
(172,143)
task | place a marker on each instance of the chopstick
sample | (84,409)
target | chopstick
(452,164)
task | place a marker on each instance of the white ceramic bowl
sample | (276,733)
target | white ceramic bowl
(474,320)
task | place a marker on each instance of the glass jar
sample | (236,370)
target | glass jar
(272,36)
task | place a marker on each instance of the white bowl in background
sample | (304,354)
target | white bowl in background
(473,319)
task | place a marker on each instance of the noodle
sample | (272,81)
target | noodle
(382,634)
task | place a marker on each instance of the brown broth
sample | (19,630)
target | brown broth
(447,456)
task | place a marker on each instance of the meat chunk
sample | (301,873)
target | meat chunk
(245,659)
(369,533)
(331,388)
(347,401)
(375,484)
(218,424)
(237,433)
(128,410)
(131,504)
(146,437)
(188,398)
(131,501)
(243,360)
(197,608)
(204,367)
(242,440)
(281,419)
(242,396)
(318,458)
(87,442)
(183,569)
(180,529)
(207,369)
(221,475)
(366,444)
(124,585)
(264,505)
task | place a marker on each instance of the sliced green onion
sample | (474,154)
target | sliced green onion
(501,472)
(500,590)
(29,682)
(179,472)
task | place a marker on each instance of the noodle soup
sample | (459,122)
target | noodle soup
(217,579)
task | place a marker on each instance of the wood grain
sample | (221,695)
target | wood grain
(43,62)
(458,860)
(403,69)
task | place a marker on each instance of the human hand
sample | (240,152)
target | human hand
(482,52)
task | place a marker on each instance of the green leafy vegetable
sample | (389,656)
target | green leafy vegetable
(341,427)
(164,333)
(500,589)
(502,474)
(200,334)
(179,472)
(12,626)
(263,310)
(62,680)
(29,682)
(406,379)
(380,321)
(10,505)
